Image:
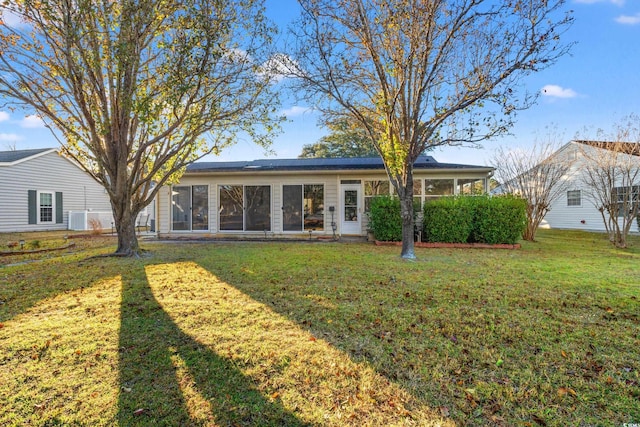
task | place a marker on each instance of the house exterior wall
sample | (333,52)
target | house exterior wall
(48,172)
(584,217)
(331,180)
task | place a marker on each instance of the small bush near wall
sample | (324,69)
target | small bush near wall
(498,219)
(475,219)
(384,218)
(448,220)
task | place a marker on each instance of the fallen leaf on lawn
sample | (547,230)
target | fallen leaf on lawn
(1,325)
(562,391)
(312,338)
(127,389)
(139,411)
(444,411)
(609,310)
(275,395)
(563,353)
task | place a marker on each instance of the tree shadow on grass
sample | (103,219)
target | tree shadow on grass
(169,378)
(25,286)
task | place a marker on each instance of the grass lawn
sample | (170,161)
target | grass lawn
(336,334)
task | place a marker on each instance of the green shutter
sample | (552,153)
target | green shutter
(33,207)
(59,211)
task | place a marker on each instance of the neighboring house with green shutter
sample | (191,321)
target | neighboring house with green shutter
(39,188)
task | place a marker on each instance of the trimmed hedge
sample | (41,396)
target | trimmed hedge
(498,219)
(385,219)
(448,220)
(475,219)
(454,219)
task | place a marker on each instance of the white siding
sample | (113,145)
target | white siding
(584,217)
(330,180)
(48,172)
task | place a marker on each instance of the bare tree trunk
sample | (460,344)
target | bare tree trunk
(530,231)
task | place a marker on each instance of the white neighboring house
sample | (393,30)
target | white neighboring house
(39,188)
(576,209)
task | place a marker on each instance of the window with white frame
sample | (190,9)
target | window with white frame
(574,198)
(627,199)
(435,188)
(45,207)
(375,188)
(303,207)
(244,208)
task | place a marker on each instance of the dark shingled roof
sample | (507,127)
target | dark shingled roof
(17,155)
(316,164)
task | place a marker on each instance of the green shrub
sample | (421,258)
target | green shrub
(385,219)
(498,219)
(480,219)
(448,220)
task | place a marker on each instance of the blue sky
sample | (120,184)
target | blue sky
(597,85)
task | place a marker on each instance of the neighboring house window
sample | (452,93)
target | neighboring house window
(190,208)
(244,208)
(574,198)
(626,197)
(44,207)
(375,188)
(303,207)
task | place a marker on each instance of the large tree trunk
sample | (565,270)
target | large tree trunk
(406,210)
(125,224)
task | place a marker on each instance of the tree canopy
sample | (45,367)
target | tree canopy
(346,139)
(420,74)
(134,90)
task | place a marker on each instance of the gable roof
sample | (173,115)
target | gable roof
(16,156)
(318,164)
(632,148)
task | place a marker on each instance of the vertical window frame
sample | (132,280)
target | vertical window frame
(51,208)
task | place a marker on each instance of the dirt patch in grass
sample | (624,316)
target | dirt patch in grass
(325,334)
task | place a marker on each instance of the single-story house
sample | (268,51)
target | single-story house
(576,209)
(295,197)
(40,188)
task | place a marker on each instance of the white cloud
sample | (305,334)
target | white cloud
(279,67)
(628,20)
(32,122)
(10,137)
(4,116)
(10,19)
(556,91)
(296,111)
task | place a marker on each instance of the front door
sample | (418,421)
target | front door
(351,213)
